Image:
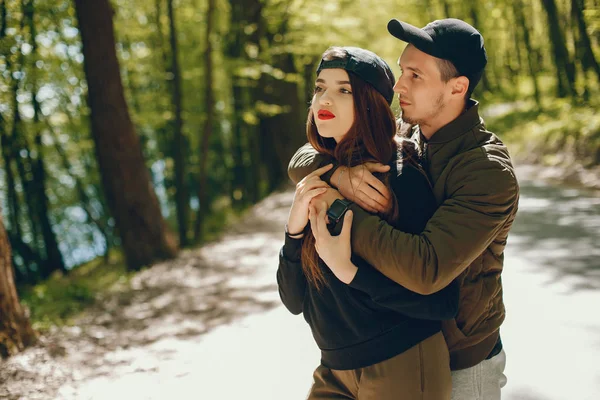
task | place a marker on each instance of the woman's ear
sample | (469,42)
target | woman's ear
(460,86)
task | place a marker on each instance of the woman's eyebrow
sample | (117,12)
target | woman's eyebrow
(320,80)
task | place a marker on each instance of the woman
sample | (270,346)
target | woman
(378,340)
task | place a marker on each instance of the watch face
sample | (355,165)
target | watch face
(337,208)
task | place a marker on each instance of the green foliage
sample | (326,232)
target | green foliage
(56,301)
(560,134)
(259,67)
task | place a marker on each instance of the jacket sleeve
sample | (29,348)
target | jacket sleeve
(306,160)
(387,293)
(416,204)
(481,196)
(290,278)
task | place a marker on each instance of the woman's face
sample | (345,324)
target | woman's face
(333,103)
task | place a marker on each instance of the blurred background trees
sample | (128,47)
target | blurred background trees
(141,126)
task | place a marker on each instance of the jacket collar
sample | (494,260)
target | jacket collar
(462,124)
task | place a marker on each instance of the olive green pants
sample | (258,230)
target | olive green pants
(420,373)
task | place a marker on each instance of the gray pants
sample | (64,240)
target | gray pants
(481,382)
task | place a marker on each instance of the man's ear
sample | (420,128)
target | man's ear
(460,86)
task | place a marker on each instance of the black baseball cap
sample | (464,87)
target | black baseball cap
(368,66)
(450,39)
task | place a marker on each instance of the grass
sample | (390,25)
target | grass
(56,301)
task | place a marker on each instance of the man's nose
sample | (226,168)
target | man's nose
(400,87)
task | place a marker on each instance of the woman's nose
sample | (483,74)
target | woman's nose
(325,99)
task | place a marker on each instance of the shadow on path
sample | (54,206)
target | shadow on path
(559,229)
(133,328)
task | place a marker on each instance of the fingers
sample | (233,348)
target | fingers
(320,171)
(347,227)
(374,194)
(376,167)
(367,203)
(312,217)
(321,218)
(379,190)
(313,193)
(314,184)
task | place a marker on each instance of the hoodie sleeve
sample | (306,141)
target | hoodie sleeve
(290,277)
(387,293)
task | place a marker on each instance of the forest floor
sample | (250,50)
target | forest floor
(209,325)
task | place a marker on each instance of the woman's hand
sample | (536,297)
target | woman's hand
(325,199)
(306,190)
(359,185)
(335,251)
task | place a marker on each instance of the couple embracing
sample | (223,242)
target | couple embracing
(394,244)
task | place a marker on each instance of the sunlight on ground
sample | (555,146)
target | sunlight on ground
(210,325)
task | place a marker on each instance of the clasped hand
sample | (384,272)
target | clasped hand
(335,251)
(358,184)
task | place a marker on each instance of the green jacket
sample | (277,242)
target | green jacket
(477,194)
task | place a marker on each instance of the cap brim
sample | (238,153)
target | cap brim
(413,35)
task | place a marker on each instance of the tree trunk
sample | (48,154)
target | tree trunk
(429,8)
(15,330)
(179,143)
(209,106)
(485,81)
(283,132)
(565,70)
(524,27)
(588,60)
(54,258)
(13,204)
(245,185)
(447,10)
(86,204)
(126,181)
(19,145)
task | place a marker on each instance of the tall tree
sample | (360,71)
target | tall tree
(524,28)
(280,111)
(179,142)
(54,259)
(15,330)
(588,59)
(447,9)
(243,50)
(209,101)
(6,143)
(474,14)
(126,181)
(565,70)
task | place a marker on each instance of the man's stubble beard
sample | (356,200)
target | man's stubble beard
(437,110)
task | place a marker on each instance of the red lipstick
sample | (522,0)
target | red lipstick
(324,115)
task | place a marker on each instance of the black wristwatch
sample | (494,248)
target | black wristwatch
(337,210)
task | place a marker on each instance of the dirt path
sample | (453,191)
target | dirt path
(210,325)
(149,331)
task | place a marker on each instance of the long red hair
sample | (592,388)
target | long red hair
(372,137)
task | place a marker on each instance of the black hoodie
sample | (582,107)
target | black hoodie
(372,318)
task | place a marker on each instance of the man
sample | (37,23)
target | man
(475,187)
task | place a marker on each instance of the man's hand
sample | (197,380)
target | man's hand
(358,184)
(335,251)
(306,189)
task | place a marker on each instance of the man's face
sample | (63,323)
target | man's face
(421,91)
(333,103)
